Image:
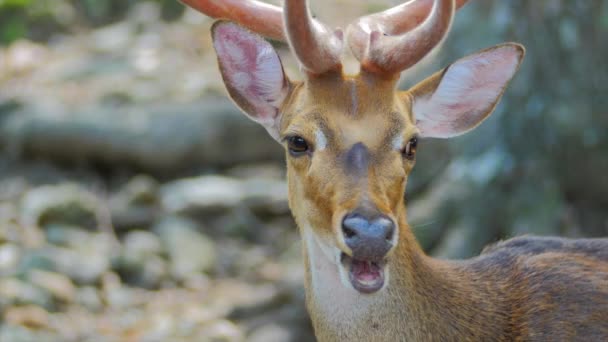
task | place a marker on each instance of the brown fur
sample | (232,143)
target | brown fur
(527,289)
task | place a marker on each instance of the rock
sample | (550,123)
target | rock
(220,331)
(136,204)
(12,189)
(10,255)
(160,327)
(198,282)
(65,203)
(112,37)
(17,333)
(66,235)
(134,217)
(23,56)
(140,262)
(143,137)
(260,300)
(270,333)
(11,228)
(58,285)
(140,190)
(84,263)
(258,170)
(239,299)
(124,298)
(153,273)
(82,267)
(142,244)
(88,297)
(190,251)
(16,292)
(120,297)
(36,259)
(30,316)
(205,193)
(216,193)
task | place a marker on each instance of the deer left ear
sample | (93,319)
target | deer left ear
(252,72)
(458,98)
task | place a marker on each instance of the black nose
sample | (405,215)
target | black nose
(369,239)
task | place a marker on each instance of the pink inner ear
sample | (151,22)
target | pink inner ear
(466,93)
(251,67)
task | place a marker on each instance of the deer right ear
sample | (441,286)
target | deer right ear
(460,97)
(252,73)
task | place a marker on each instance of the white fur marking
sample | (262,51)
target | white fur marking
(321,140)
(331,291)
(397,143)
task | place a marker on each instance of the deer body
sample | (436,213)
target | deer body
(527,288)
(350,145)
(531,289)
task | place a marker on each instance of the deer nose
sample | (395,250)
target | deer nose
(369,239)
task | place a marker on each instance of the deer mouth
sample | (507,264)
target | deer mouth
(366,276)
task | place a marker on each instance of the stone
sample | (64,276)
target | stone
(135,205)
(142,136)
(36,259)
(16,292)
(140,261)
(18,333)
(30,316)
(84,263)
(220,331)
(88,297)
(160,327)
(190,251)
(205,193)
(10,256)
(66,235)
(58,285)
(270,333)
(65,203)
(142,244)
(219,193)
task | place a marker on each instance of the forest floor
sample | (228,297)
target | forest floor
(95,250)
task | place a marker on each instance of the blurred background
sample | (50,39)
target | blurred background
(138,204)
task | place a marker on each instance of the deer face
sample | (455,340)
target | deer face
(351,140)
(350,145)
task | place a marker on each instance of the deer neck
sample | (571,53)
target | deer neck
(423,297)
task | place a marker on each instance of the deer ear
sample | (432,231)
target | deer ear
(252,73)
(460,97)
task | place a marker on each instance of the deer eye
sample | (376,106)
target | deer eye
(409,151)
(297,145)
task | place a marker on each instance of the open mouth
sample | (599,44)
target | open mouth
(365,276)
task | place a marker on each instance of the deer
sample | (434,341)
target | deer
(351,142)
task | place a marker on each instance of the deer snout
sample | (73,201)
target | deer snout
(368,238)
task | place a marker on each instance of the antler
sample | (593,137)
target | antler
(396,39)
(317,48)
(265,19)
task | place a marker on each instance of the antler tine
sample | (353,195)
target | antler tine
(265,19)
(318,48)
(396,39)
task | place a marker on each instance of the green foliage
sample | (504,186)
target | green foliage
(14,3)
(11,29)
(39,19)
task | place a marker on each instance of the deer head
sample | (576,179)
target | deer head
(351,140)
